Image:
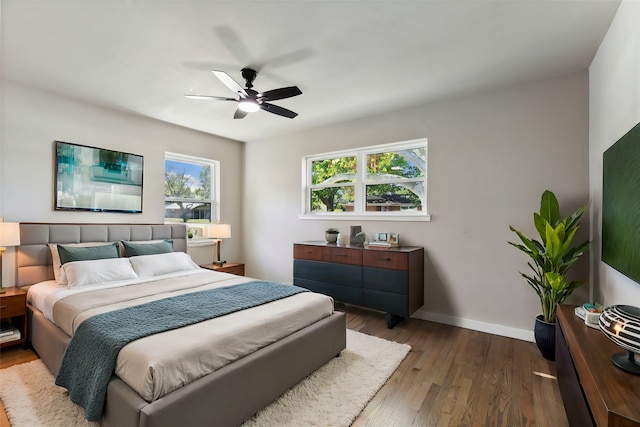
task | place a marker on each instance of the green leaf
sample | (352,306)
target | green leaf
(540,224)
(554,243)
(549,208)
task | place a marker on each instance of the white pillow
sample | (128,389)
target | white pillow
(96,272)
(55,256)
(156,265)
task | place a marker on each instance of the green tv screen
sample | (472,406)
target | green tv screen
(621,205)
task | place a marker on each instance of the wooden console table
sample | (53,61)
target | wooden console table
(594,391)
(389,279)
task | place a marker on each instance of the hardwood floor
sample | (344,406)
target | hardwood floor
(451,377)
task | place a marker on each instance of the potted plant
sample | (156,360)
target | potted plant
(551,257)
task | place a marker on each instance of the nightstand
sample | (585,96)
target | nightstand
(13,308)
(229,267)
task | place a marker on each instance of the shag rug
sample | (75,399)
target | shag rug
(334,395)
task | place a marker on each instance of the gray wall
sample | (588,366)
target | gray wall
(614,109)
(33,119)
(490,158)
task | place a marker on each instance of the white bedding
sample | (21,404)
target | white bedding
(156,365)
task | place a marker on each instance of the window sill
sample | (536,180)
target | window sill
(193,243)
(354,217)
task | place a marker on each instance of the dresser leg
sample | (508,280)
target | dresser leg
(393,320)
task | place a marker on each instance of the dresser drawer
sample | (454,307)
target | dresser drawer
(386,259)
(347,294)
(385,301)
(382,279)
(14,305)
(313,253)
(342,255)
(340,274)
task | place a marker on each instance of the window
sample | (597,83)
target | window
(190,189)
(373,182)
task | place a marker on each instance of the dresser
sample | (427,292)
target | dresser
(594,391)
(389,279)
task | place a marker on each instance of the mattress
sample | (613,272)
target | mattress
(156,365)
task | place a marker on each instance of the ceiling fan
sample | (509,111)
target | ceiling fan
(251,100)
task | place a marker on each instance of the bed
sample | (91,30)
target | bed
(227,395)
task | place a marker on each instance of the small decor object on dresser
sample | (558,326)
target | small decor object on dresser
(621,324)
(385,240)
(331,235)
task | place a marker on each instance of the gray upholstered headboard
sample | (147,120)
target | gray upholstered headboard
(33,256)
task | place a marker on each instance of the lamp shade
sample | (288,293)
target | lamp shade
(9,234)
(621,324)
(219,231)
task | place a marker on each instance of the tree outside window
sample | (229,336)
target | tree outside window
(188,189)
(390,178)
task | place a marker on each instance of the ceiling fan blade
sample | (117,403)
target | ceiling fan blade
(209,97)
(282,93)
(240,114)
(229,82)
(278,110)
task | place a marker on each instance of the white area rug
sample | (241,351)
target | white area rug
(334,395)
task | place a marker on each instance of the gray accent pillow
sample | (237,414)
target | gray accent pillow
(75,253)
(136,249)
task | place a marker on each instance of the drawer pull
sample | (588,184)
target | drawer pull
(3,306)
(341,255)
(384,259)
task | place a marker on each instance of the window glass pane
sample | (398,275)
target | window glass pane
(410,163)
(332,199)
(188,190)
(187,180)
(180,211)
(333,171)
(395,197)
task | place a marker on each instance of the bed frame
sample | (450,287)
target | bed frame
(226,397)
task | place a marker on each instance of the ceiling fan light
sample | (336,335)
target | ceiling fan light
(248,106)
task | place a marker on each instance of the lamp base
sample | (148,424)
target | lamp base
(220,263)
(626,362)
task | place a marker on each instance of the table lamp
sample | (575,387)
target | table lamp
(219,232)
(9,236)
(621,324)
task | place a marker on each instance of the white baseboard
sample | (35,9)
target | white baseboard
(490,328)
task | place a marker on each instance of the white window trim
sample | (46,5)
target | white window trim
(215,177)
(360,154)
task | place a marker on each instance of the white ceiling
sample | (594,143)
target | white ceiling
(350,58)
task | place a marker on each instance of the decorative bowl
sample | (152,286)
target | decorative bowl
(331,235)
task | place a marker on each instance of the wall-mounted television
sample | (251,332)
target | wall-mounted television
(621,205)
(97,179)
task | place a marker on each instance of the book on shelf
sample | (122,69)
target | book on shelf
(5,333)
(5,326)
(14,336)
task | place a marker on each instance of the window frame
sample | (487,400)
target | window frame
(360,184)
(214,194)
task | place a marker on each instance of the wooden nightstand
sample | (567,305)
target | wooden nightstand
(229,267)
(13,308)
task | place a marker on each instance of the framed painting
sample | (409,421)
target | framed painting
(97,179)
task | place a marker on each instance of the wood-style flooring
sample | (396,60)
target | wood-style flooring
(451,377)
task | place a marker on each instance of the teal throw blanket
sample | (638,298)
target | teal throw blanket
(90,358)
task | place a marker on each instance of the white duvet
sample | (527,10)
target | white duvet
(156,365)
